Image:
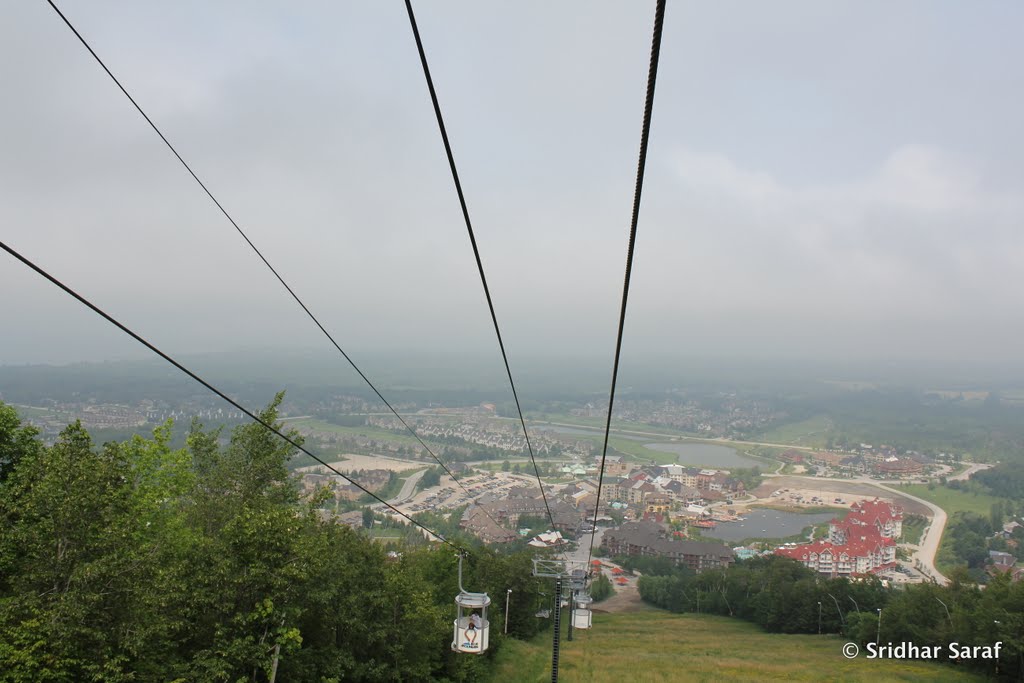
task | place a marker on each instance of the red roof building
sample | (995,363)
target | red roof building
(862,543)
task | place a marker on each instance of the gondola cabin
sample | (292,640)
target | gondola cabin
(581,615)
(471,624)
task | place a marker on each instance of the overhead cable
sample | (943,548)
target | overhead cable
(259,253)
(652,77)
(476,250)
(214,389)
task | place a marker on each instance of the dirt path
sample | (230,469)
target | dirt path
(626,599)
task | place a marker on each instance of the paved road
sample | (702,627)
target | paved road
(932,535)
(966,474)
(408,488)
(582,552)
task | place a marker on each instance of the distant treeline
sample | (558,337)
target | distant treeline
(136,562)
(1005,480)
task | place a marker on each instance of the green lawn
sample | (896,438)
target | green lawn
(364,430)
(913,527)
(951,500)
(654,646)
(637,450)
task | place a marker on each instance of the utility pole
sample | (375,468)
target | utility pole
(947,613)
(842,620)
(878,635)
(819,617)
(508,595)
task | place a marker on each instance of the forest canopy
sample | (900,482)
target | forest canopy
(133,561)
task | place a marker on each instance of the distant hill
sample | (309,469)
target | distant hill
(653,646)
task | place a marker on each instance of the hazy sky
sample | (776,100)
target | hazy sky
(834,179)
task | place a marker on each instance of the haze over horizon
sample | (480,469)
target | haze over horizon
(835,182)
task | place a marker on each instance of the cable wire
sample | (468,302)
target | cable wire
(212,388)
(472,240)
(652,77)
(259,253)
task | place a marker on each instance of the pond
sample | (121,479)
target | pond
(766,523)
(705,454)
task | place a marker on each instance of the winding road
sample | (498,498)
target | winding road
(408,488)
(929,545)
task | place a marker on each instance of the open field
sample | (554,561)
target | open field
(28,412)
(353,462)
(639,452)
(598,423)
(369,432)
(810,432)
(660,647)
(798,509)
(951,500)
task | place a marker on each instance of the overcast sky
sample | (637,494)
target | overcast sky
(825,179)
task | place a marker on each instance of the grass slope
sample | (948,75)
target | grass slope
(654,646)
(951,500)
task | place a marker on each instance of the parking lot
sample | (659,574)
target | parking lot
(448,494)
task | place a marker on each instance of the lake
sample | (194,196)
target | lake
(708,455)
(766,523)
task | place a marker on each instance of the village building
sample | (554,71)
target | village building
(828,459)
(659,504)
(682,493)
(648,539)
(550,539)
(894,466)
(372,480)
(475,521)
(864,542)
(522,501)
(615,466)
(881,515)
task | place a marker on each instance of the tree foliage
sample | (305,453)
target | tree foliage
(136,562)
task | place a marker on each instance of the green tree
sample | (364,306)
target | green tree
(996,515)
(83,553)
(432,477)
(16,441)
(601,588)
